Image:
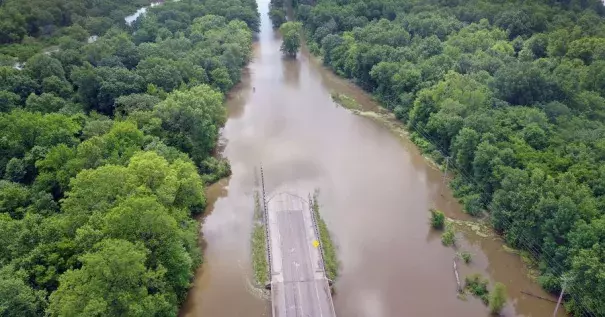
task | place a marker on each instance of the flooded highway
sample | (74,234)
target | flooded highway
(375,192)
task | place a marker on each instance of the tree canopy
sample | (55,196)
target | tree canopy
(107,146)
(290,32)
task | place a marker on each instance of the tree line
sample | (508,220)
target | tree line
(512,94)
(106,148)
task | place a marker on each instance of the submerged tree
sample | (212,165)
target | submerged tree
(437,219)
(497,298)
(291,38)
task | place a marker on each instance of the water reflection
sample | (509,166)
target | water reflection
(291,71)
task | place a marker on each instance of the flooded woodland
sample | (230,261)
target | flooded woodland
(376,191)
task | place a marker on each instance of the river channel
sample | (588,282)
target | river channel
(375,193)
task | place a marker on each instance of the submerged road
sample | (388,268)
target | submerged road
(299,287)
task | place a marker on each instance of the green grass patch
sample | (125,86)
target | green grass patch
(259,250)
(345,101)
(331,263)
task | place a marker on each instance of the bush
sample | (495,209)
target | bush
(466,256)
(400,113)
(448,238)
(477,286)
(497,298)
(437,219)
(214,169)
(473,205)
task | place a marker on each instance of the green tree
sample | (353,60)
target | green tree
(144,219)
(290,32)
(16,170)
(113,281)
(96,190)
(45,103)
(8,101)
(16,297)
(42,66)
(13,25)
(463,148)
(161,72)
(278,17)
(220,78)
(98,87)
(57,86)
(437,219)
(136,102)
(14,198)
(190,120)
(15,81)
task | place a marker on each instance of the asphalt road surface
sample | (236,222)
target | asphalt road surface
(299,287)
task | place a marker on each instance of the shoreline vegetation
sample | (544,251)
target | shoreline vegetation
(260,265)
(331,263)
(474,284)
(345,101)
(511,95)
(477,226)
(107,149)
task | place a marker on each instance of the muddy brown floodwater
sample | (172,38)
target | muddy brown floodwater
(376,190)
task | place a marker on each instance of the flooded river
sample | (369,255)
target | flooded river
(376,190)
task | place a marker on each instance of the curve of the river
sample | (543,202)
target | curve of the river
(376,190)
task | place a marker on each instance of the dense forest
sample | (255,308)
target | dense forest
(512,95)
(106,145)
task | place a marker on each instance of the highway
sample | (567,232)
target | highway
(299,287)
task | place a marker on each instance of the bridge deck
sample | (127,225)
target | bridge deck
(299,287)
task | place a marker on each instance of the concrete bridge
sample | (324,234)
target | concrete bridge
(299,286)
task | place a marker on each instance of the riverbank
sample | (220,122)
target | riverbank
(385,118)
(474,229)
(478,226)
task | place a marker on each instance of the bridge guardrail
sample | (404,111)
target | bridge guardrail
(266,224)
(316,228)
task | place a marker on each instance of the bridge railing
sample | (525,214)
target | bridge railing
(317,234)
(266,224)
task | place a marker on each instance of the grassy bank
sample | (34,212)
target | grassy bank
(329,251)
(259,253)
(345,101)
